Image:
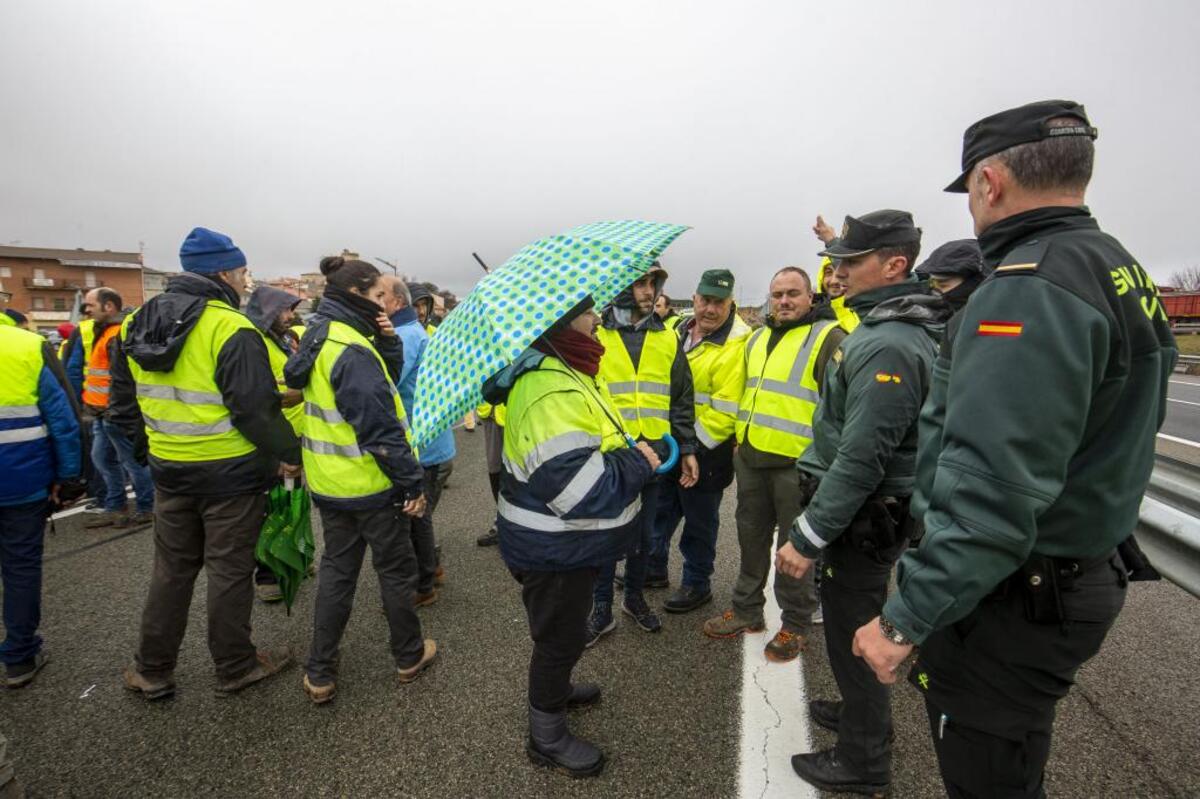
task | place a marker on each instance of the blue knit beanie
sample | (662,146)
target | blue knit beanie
(207,251)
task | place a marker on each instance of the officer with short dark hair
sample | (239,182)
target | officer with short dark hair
(1043,412)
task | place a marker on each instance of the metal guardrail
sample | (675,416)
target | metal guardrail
(1169,525)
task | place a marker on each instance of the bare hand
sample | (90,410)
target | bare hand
(689,471)
(292,397)
(883,656)
(385,325)
(789,561)
(289,470)
(649,454)
(823,230)
(415,507)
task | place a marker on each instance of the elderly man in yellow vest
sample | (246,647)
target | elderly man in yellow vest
(192,383)
(785,363)
(713,339)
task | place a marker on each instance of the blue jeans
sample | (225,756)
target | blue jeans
(701,514)
(635,562)
(108,439)
(22,530)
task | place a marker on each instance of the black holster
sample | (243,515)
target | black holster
(881,528)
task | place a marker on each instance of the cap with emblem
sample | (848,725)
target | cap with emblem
(716,283)
(1029,123)
(959,257)
(870,232)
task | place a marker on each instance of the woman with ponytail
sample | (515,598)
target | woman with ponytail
(361,471)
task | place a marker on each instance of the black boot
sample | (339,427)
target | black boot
(552,745)
(825,771)
(825,714)
(583,693)
(687,598)
(489,539)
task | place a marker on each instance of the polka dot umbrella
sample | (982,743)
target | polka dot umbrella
(518,302)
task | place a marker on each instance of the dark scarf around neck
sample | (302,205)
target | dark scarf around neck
(577,350)
(364,311)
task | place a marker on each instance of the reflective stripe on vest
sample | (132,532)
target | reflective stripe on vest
(334,463)
(777,407)
(549,523)
(20,418)
(97,380)
(185,416)
(641,396)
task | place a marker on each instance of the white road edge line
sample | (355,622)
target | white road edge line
(1184,383)
(774,716)
(1179,440)
(1183,402)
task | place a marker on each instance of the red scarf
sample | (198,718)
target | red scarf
(578,350)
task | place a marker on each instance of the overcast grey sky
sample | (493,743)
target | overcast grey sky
(425,130)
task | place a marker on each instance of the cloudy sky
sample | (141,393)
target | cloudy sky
(421,131)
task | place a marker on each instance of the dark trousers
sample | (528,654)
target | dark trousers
(853,590)
(701,515)
(218,533)
(997,678)
(347,536)
(639,551)
(22,533)
(557,604)
(423,540)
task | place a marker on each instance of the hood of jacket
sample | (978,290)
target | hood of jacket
(160,328)
(910,302)
(300,365)
(496,387)
(265,305)
(615,318)
(624,300)
(420,294)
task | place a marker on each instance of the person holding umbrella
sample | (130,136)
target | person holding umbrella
(363,476)
(570,501)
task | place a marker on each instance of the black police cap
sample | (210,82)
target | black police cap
(959,257)
(870,232)
(1028,123)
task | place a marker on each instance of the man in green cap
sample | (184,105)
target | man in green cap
(1042,413)
(857,478)
(712,339)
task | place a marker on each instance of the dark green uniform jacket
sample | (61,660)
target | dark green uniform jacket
(865,427)
(1038,436)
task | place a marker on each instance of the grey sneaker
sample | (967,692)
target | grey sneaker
(269,663)
(600,624)
(108,518)
(18,675)
(636,608)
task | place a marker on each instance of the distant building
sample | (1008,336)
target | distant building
(45,283)
(154,282)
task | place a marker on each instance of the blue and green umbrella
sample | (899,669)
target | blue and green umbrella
(513,305)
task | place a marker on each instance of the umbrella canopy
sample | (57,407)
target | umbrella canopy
(516,303)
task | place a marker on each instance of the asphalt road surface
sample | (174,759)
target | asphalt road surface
(1183,408)
(671,719)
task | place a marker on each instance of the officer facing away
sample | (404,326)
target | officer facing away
(1016,582)
(857,478)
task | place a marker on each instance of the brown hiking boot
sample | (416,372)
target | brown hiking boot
(319,694)
(785,646)
(439,577)
(143,518)
(731,625)
(269,663)
(109,518)
(425,600)
(412,672)
(149,687)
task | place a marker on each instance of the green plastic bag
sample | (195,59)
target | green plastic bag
(285,545)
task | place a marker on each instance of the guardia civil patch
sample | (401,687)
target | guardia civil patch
(886,377)
(993,328)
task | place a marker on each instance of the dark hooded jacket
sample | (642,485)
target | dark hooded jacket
(683,410)
(365,400)
(154,339)
(265,305)
(865,427)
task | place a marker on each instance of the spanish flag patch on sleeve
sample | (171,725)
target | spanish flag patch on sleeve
(992,328)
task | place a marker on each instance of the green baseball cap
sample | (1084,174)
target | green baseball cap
(716,283)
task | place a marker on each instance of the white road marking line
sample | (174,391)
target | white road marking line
(1179,440)
(1183,402)
(1190,383)
(62,514)
(774,717)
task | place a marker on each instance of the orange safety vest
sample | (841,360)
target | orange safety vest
(98,381)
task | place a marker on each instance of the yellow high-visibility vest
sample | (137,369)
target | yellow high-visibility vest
(641,396)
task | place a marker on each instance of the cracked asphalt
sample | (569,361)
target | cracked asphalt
(670,718)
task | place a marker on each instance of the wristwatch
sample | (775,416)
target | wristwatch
(892,634)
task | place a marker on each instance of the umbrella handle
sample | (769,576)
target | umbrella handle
(672,456)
